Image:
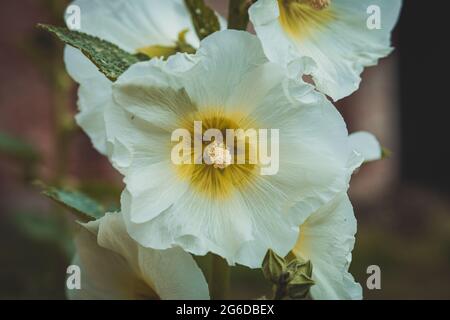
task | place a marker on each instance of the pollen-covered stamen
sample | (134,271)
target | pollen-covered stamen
(319,4)
(218,155)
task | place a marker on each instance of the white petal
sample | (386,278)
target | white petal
(341,47)
(173,273)
(366,144)
(154,188)
(104,273)
(232,55)
(93,95)
(147,107)
(327,239)
(117,267)
(264,15)
(138,23)
(147,92)
(131,140)
(240,229)
(316,159)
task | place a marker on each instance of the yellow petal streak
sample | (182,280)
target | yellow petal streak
(158,51)
(301,247)
(213,181)
(300,19)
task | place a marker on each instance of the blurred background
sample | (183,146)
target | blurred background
(402,203)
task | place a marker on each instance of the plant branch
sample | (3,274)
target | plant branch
(238,14)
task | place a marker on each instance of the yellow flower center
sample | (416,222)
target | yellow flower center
(221,174)
(301,18)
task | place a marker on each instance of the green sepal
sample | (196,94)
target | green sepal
(273,267)
(301,279)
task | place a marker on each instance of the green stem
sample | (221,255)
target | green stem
(238,14)
(61,86)
(220,278)
(63,122)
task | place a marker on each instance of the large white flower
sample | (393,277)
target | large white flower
(114,266)
(230,210)
(326,239)
(133,25)
(334,33)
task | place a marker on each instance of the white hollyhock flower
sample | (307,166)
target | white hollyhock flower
(133,25)
(229,209)
(114,266)
(340,35)
(326,239)
(367,145)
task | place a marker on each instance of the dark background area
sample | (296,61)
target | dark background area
(424,88)
(402,203)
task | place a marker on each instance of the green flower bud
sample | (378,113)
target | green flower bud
(301,281)
(273,267)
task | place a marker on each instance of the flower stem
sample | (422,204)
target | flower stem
(220,278)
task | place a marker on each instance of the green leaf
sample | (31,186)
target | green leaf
(111,60)
(84,208)
(273,267)
(204,18)
(17,148)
